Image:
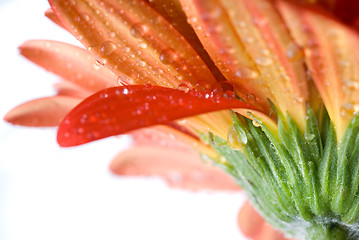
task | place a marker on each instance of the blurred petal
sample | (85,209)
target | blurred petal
(135,42)
(70,62)
(254,227)
(66,88)
(118,110)
(43,112)
(52,16)
(331,60)
(250,44)
(168,137)
(180,168)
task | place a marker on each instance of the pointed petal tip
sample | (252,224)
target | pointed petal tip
(42,112)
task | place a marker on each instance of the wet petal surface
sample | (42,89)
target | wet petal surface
(118,110)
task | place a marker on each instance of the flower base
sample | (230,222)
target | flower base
(329,232)
(305,184)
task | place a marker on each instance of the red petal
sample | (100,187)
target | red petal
(118,110)
(180,168)
(43,112)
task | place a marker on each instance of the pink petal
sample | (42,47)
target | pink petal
(118,110)
(43,112)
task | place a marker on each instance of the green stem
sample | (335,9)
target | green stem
(329,232)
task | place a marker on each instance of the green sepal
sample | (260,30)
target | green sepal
(304,183)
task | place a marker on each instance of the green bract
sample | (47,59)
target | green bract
(305,185)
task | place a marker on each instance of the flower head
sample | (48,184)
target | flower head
(285,77)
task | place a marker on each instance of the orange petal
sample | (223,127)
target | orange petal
(52,16)
(134,41)
(251,46)
(172,11)
(70,62)
(179,168)
(332,58)
(43,112)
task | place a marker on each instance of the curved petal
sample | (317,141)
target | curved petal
(52,16)
(134,41)
(254,227)
(43,112)
(331,60)
(72,63)
(250,44)
(179,167)
(168,137)
(66,88)
(118,110)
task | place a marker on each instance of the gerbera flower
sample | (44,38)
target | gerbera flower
(288,73)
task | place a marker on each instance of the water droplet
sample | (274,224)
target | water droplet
(183,87)
(142,45)
(192,20)
(246,73)
(256,123)
(309,136)
(264,61)
(224,88)
(350,84)
(168,56)
(139,30)
(234,140)
(124,80)
(126,49)
(111,34)
(107,48)
(346,110)
(99,62)
(141,63)
(293,52)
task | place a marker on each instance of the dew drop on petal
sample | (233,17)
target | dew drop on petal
(293,52)
(183,87)
(256,123)
(264,61)
(139,30)
(168,56)
(234,140)
(142,45)
(141,63)
(124,80)
(107,48)
(246,73)
(346,110)
(309,136)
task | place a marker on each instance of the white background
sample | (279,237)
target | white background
(51,193)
